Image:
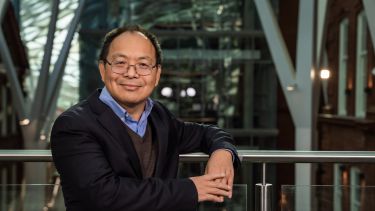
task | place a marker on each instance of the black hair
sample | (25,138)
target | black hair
(110,36)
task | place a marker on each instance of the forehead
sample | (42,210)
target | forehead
(132,44)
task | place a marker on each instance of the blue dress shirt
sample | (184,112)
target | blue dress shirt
(138,127)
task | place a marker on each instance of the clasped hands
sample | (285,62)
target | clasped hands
(217,182)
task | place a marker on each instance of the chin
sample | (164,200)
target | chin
(132,102)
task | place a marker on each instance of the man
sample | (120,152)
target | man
(119,149)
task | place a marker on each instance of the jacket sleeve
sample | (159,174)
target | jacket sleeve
(194,137)
(89,182)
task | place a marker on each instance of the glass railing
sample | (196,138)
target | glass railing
(48,197)
(238,202)
(264,196)
(36,197)
(44,197)
(328,198)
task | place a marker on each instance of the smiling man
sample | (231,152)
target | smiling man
(119,149)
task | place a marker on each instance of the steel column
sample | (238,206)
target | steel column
(321,30)
(11,72)
(44,71)
(59,67)
(3,112)
(300,83)
(278,49)
(369,6)
(264,193)
(3,7)
(305,76)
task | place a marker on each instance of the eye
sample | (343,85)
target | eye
(143,65)
(119,63)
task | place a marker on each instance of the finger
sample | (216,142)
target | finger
(230,183)
(219,180)
(218,192)
(213,177)
(220,186)
(221,198)
(213,198)
(230,179)
(224,181)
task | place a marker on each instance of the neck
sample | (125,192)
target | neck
(136,110)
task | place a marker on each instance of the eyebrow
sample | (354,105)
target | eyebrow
(124,56)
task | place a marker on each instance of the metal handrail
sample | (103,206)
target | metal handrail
(255,156)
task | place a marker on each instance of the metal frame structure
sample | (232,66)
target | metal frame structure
(299,83)
(252,156)
(33,115)
(369,6)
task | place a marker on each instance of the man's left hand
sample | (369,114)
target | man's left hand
(221,161)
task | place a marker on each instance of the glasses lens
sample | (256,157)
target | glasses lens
(119,66)
(143,68)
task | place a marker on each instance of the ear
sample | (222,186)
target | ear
(102,70)
(158,73)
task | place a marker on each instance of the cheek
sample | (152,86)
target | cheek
(111,79)
(152,83)
(110,83)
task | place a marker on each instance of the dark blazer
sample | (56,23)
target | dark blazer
(100,169)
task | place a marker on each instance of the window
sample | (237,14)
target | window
(361,66)
(355,189)
(343,59)
(337,185)
(3,114)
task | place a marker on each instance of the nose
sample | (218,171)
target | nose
(131,73)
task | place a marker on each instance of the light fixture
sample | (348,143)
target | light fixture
(167,92)
(183,93)
(191,92)
(373,71)
(43,137)
(291,87)
(220,10)
(24,122)
(325,74)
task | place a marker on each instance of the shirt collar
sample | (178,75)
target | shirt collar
(106,98)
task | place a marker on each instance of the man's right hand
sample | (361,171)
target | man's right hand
(209,190)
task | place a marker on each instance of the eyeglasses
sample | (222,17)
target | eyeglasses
(122,66)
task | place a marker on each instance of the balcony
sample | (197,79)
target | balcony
(322,197)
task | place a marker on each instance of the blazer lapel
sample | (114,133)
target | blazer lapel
(108,119)
(160,132)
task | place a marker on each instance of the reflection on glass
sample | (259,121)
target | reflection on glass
(322,197)
(49,197)
(31,197)
(237,203)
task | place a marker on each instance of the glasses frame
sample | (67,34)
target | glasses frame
(129,65)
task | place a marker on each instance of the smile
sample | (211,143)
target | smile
(130,87)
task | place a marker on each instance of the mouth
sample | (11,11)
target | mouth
(130,87)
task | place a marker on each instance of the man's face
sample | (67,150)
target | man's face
(130,89)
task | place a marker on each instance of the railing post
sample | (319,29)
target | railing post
(263,193)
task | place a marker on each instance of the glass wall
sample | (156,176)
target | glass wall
(216,63)
(34,19)
(217,68)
